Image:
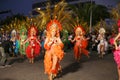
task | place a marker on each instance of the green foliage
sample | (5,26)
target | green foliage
(115,14)
(82,11)
(13,18)
(99,12)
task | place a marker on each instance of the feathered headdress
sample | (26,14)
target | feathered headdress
(13,33)
(77,27)
(101,30)
(23,29)
(54,24)
(59,11)
(32,29)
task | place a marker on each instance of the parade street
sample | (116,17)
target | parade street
(93,68)
(59,39)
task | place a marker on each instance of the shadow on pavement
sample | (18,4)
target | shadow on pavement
(71,68)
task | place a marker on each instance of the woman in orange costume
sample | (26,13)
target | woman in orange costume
(33,49)
(80,43)
(53,45)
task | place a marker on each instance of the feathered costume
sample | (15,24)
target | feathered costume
(14,42)
(53,49)
(22,38)
(103,43)
(80,42)
(33,44)
(116,52)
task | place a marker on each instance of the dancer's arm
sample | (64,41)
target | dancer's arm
(98,38)
(60,43)
(25,41)
(38,41)
(73,40)
(47,43)
(116,47)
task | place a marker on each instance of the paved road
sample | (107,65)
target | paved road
(93,68)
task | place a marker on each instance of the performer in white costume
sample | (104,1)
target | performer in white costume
(102,46)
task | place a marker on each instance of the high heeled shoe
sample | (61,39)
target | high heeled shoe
(53,72)
(60,69)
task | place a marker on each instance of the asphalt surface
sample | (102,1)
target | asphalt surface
(93,68)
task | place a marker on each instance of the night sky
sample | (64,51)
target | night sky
(16,6)
(25,6)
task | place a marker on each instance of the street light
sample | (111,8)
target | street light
(38,9)
(91,18)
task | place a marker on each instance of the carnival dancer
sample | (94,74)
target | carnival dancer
(54,49)
(33,48)
(80,43)
(116,41)
(22,38)
(102,42)
(14,43)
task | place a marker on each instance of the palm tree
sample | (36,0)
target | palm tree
(100,12)
(115,13)
(82,13)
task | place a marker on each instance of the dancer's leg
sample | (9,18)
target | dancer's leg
(101,50)
(53,70)
(32,59)
(55,60)
(118,73)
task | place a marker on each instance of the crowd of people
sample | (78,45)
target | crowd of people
(30,43)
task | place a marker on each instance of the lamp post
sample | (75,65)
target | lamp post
(91,18)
